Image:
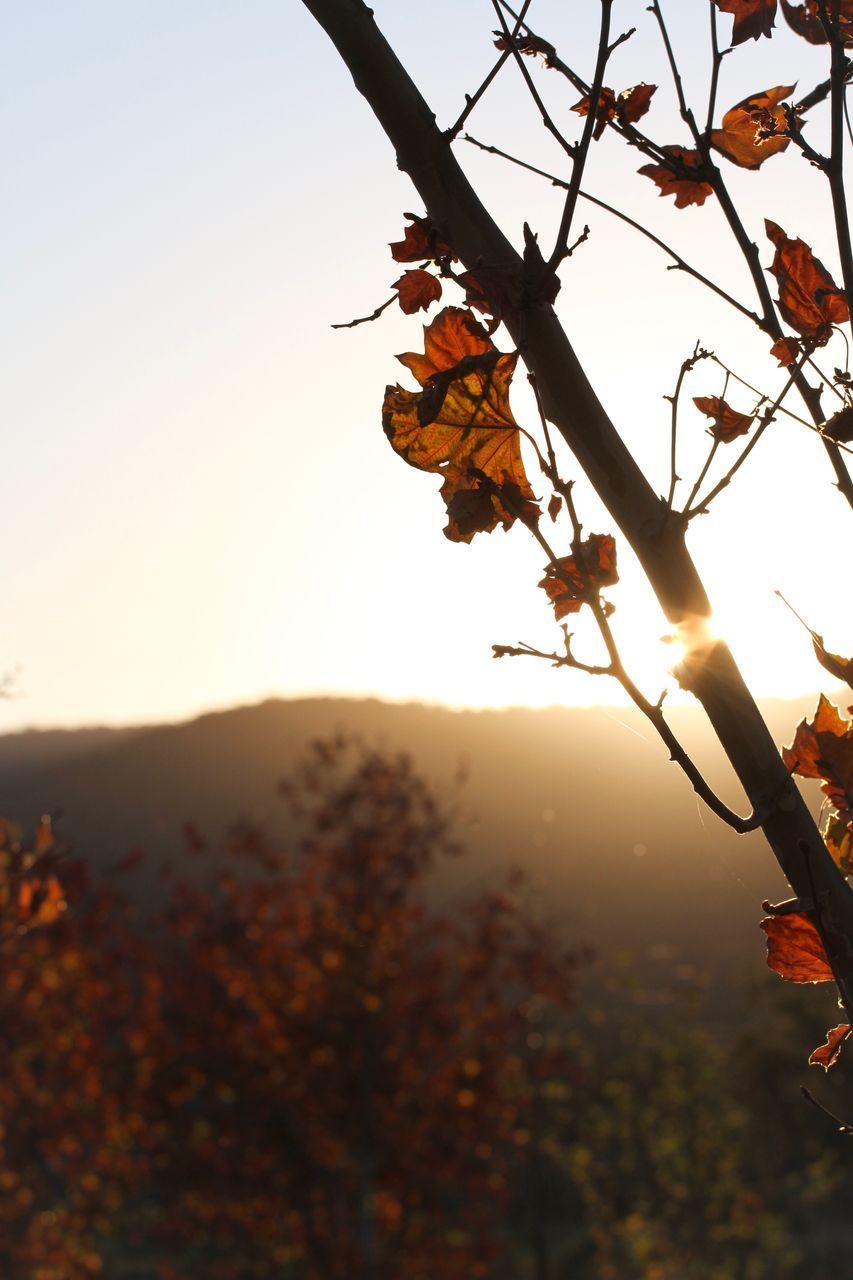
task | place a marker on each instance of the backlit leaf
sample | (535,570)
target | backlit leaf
(808,298)
(743,138)
(460,425)
(581,575)
(627,107)
(794,948)
(753,18)
(824,749)
(838,838)
(726,423)
(532,45)
(676,181)
(786,350)
(804,19)
(827,1054)
(417,290)
(421,242)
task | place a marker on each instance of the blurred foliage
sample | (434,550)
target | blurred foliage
(305,1070)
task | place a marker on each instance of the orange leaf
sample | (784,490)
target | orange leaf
(786,351)
(727,423)
(743,138)
(794,948)
(824,749)
(460,425)
(808,297)
(676,180)
(627,107)
(838,838)
(592,567)
(753,18)
(421,242)
(827,1054)
(841,668)
(417,290)
(804,19)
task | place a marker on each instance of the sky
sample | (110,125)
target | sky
(200,507)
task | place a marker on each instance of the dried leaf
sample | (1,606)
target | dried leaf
(627,107)
(676,180)
(417,290)
(555,506)
(838,838)
(787,351)
(592,567)
(841,668)
(421,242)
(804,19)
(726,423)
(753,18)
(493,291)
(808,298)
(824,749)
(827,1054)
(532,45)
(840,426)
(794,948)
(746,137)
(460,425)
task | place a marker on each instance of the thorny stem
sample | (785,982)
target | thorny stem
(679,263)
(528,79)
(582,149)
(471,100)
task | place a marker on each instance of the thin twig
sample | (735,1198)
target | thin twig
(582,150)
(528,79)
(715,68)
(679,264)
(471,100)
(687,365)
(374,315)
(843,1127)
(835,168)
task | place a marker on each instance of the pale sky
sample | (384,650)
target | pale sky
(200,506)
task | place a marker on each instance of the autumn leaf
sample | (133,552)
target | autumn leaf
(753,18)
(581,575)
(726,423)
(532,45)
(805,20)
(794,948)
(808,298)
(555,506)
(841,668)
(417,290)
(421,242)
(824,749)
(493,291)
(743,139)
(840,426)
(460,425)
(676,180)
(838,838)
(786,350)
(827,1054)
(627,107)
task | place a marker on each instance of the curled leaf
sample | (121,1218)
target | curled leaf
(581,575)
(627,107)
(676,180)
(805,19)
(824,749)
(753,18)
(755,129)
(421,242)
(840,426)
(460,425)
(838,838)
(841,668)
(794,948)
(532,45)
(809,299)
(786,350)
(726,423)
(493,291)
(826,1055)
(417,290)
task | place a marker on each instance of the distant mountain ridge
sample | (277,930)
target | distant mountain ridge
(615,840)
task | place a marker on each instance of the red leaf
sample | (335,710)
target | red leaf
(824,749)
(590,569)
(753,18)
(808,297)
(747,137)
(532,45)
(676,180)
(417,290)
(794,948)
(727,423)
(786,350)
(804,19)
(421,242)
(827,1054)
(627,107)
